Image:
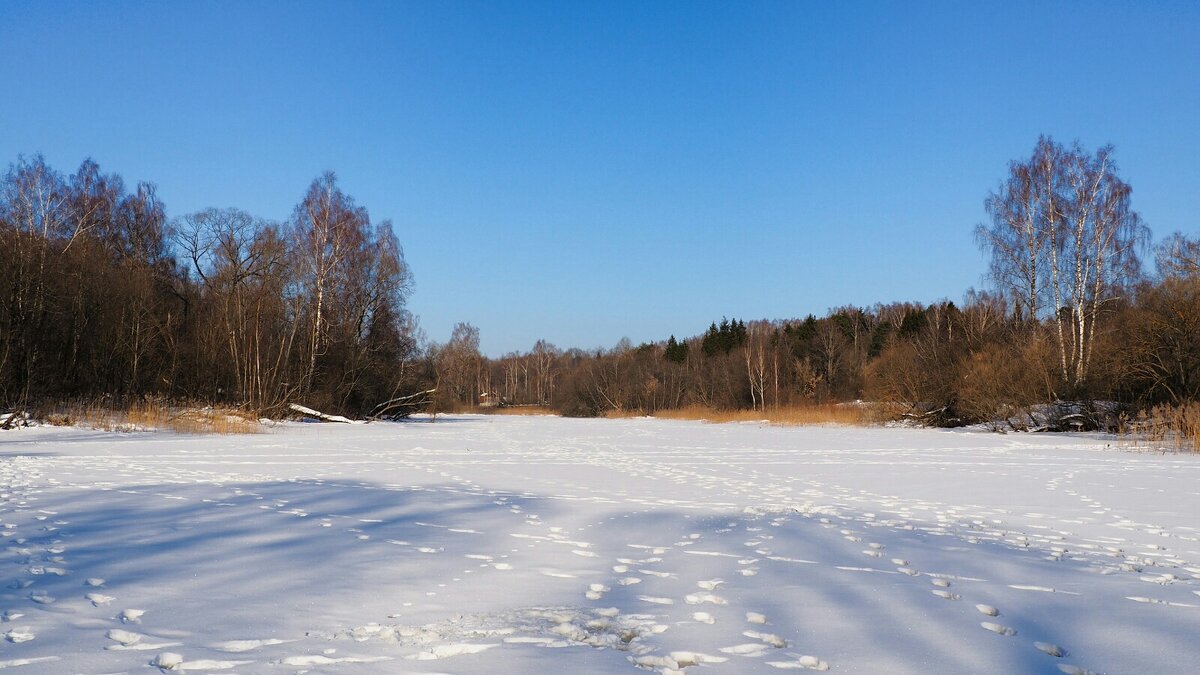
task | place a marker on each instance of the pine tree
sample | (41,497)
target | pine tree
(676,352)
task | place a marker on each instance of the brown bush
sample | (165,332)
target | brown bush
(996,387)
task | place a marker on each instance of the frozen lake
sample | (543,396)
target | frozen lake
(518,544)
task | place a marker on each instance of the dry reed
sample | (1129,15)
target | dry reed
(847,414)
(153,415)
(517,410)
(1164,428)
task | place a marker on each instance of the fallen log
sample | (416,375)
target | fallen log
(16,418)
(316,414)
(403,406)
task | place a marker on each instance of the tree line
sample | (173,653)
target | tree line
(103,296)
(1070,315)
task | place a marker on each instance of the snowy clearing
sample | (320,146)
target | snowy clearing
(521,544)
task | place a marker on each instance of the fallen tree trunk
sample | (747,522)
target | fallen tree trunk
(11,420)
(403,406)
(316,414)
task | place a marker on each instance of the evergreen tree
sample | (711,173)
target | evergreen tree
(676,352)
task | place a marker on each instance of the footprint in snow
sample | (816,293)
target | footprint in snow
(704,617)
(19,635)
(557,574)
(448,650)
(751,649)
(129,641)
(98,599)
(660,575)
(998,629)
(1050,649)
(41,598)
(768,638)
(170,661)
(131,615)
(988,610)
(688,659)
(238,646)
(657,600)
(806,662)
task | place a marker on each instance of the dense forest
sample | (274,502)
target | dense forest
(103,297)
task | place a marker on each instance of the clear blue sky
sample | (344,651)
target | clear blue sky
(583,171)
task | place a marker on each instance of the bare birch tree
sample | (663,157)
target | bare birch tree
(1064,237)
(1093,253)
(1018,235)
(327,228)
(754,351)
(1178,256)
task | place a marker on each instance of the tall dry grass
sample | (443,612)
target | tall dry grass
(847,414)
(1164,428)
(154,415)
(517,410)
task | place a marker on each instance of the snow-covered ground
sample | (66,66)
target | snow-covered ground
(538,544)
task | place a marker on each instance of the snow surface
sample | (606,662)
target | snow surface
(523,544)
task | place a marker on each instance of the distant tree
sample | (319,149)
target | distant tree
(1093,253)
(93,199)
(326,229)
(1018,235)
(32,208)
(755,346)
(1178,256)
(675,352)
(241,265)
(1064,236)
(724,338)
(544,356)
(459,364)
(1161,349)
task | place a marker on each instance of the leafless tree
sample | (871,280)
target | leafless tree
(327,228)
(1022,210)
(1093,255)
(544,356)
(459,365)
(754,351)
(1064,236)
(1178,256)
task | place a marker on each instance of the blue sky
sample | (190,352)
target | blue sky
(584,171)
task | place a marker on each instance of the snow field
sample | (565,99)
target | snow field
(510,544)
